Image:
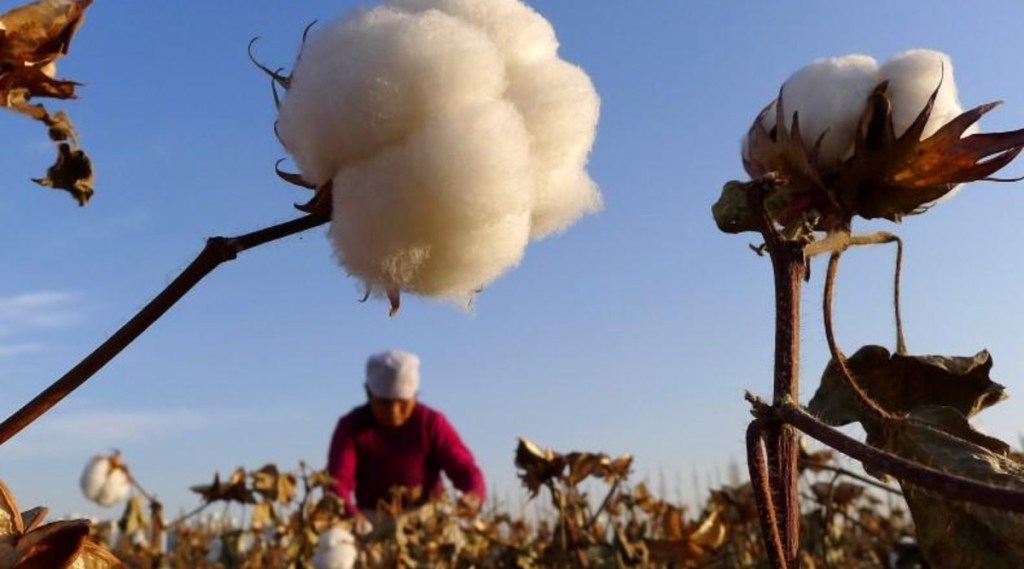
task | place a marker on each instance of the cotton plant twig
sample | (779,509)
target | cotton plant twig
(217,250)
(759,480)
(860,395)
(949,485)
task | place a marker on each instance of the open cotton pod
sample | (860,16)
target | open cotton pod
(449,133)
(849,137)
(105,480)
(335,549)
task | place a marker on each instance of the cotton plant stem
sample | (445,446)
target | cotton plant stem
(789,265)
(949,485)
(759,480)
(217,251)
(855,476)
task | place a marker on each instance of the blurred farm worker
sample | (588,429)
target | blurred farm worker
(395,441)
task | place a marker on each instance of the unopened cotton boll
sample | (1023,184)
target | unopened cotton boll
(105,480)
(336,549)
(452,135)
(829,96)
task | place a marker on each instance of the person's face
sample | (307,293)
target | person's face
(392,412)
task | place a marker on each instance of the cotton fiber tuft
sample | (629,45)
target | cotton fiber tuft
(105,480)
(452,134)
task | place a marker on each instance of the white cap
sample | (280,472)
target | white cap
(393,374)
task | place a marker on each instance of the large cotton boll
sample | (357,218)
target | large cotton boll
(371,79)
(563,197)
(522,34)
(913,76)
(443,214)
(560,107)
(830,95)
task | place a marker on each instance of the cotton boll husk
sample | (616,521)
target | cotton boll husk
(561,108)
(913,76)
(373,78)
(444,213)
(521,33)
(830,95)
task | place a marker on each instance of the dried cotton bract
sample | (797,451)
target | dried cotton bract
(849,137)
(451,134)
(105,480)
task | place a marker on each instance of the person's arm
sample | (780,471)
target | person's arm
(341,465)
(458,464)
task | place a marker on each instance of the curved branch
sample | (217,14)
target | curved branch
(949,485)
(217,251)
(758,467)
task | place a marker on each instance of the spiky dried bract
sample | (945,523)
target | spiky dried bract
(105,480)
(451,134)
(850,138)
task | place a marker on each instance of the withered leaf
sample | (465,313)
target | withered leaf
(71,172)
(841,494)
(40,32)
(233,490)
(539,466)
(32,38)
(954,533)
(901,384)
(134,516)
(262,515)
(273,485)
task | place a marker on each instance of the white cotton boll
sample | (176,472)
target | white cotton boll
(830,95)
(104,482)
(913,76)
(561,108)
(453,134)
(521,33)
(335,549)
(455,213)
(370,80)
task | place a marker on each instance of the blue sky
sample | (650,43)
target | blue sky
(636,331)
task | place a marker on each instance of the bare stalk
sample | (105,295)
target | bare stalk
(217,250)
(789,265)
(758,467)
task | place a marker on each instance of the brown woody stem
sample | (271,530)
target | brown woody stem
(789,264)
(759,480)
(949,485)
(217,251)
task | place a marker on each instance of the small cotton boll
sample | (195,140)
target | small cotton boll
(913,76)
(521,33)
(370,80)
(335,550)
(443,214)
(103,482)
(830,95)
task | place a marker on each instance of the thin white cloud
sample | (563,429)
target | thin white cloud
(101,430)
(12,350)
(38,310)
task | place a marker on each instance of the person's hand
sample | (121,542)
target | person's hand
(468,505)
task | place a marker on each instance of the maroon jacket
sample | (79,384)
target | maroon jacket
(371,459)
